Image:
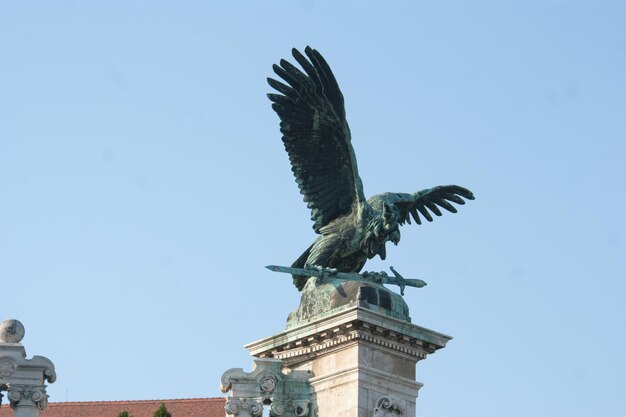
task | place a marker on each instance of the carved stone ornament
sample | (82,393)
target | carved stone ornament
(267,383)
(387,406)
(235,405)
(288,394)
(300,408)
(18,394)
(7,367)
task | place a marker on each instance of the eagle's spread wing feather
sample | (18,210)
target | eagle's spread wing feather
(426,202)
(316,136)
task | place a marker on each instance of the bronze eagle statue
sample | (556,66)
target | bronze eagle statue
(317,138)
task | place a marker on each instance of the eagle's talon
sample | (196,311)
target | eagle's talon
(324,271)
(375,277)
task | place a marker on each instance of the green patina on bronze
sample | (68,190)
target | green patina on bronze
(317,138)
(375,277)
(323,297)
(329,291)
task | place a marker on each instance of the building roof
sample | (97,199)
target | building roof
(186,407)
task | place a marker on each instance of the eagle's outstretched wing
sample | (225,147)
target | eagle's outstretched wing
(316,136)
(424,202)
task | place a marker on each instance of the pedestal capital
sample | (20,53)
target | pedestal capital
(21,395)
(244,407)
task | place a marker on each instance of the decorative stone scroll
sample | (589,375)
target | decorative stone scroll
(244,407)
(22,378)
(281,408)
(387,406)
(286,394)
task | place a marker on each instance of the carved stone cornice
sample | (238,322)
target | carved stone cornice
(333,342)
(337,332)
(15,367)
(28,395)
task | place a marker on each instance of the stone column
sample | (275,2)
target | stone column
(23,378)
(362,361)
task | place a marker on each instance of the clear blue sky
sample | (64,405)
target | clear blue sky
(143,187)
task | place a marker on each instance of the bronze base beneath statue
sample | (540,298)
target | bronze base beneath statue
(322,297)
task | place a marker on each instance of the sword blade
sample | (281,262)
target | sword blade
(294,271)
(311,272)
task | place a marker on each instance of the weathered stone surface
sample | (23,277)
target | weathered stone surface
(357,357)
(11,331)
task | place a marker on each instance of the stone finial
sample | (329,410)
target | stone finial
(11,331)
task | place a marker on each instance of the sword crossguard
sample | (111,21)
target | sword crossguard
(401,282)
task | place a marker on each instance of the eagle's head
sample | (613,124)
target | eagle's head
(391,224)
(383,227)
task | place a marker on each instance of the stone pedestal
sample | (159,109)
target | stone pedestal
(363,362)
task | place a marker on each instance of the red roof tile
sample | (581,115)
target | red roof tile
(187,407)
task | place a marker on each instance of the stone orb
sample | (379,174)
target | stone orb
(11,331)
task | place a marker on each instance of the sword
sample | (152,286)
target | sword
(376,277)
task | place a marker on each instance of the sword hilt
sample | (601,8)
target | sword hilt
(401,282)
